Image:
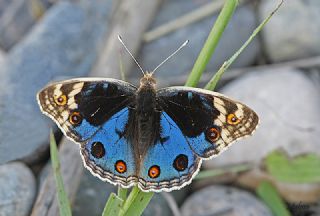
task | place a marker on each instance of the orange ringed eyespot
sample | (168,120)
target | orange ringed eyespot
(60,100)
(232,119)
(120,166)
(213,134)
(75,118)
(154,171)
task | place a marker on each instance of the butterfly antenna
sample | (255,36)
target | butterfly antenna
(121,41)
(184,44)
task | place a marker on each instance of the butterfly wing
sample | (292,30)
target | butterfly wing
(195,124)
(80,106)
(170,163)
(95,113)
(209,121)
(109,155)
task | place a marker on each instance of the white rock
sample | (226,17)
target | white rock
(287,103)
(293,32)
(17,189)
(2,57)
(239,29)
(65,42)
(226,201)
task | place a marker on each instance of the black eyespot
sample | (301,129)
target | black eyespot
(181,162)
(97,150)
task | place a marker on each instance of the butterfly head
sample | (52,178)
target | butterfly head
(148,81)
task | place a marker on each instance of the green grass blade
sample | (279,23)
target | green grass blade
(122,193)
(269,194)
(113,205)
(211,42)
(300,169)
(213,82)
(136,202)
(218,172)
(64,205)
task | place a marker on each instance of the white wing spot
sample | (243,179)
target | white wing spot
(57,91)
(65,115)
(239,113)
(76,89)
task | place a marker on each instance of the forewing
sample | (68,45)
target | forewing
(210,121)
(95,113)
(81,106)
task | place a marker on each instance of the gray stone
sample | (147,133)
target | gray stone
(17,189)
(43,174)
(158,206)
(96,192)
(17,18)
(315,209)
(64,43)
(226,201)
(3,5)
(15,22)
(287,103)
(180,195)
(2,57)
(293,32)
(238,30)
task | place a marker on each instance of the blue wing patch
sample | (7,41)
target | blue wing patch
(201,146)
(85,130)
(170,163)
(108,155)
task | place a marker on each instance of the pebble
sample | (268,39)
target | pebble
(93,189)
(293,32)
(236,33)
(17,189)
(287,102)
(17,18)
(223,200)
(3,6)
(64,43)
(158,206)
(2,57)
(15,22)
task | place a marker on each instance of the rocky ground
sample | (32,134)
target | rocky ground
(277,75)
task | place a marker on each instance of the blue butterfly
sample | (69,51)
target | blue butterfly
(155,139)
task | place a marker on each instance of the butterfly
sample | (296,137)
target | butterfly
(155,139)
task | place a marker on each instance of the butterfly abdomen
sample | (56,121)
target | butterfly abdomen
(146,116)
